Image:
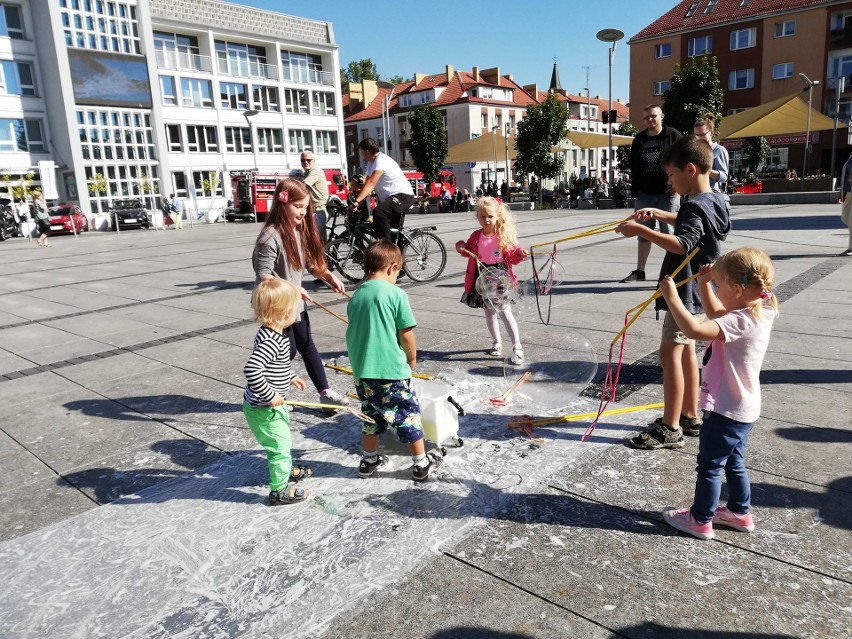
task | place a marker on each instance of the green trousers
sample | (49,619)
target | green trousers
(271,428)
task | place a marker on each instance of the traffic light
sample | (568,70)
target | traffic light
(605,117)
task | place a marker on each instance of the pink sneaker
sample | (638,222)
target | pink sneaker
(683,520)
(725,517)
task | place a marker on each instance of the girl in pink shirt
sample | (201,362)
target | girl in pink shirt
(495,244)
(739,319)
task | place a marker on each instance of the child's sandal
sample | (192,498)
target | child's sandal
(300,472)
(290,495)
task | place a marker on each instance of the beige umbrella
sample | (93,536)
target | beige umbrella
(591,140)
(481,149)
(783,116)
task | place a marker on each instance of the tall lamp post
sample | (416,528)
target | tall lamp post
(508,130)
(809,87)
(610,35)
(494,145)
(248,115)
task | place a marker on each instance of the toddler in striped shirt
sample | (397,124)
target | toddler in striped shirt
(268,377)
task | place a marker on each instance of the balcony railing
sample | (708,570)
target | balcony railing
(307,75)
(183,61)
(246,68)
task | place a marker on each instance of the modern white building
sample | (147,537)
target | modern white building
(141,98)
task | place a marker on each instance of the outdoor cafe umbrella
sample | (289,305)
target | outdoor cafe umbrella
(783,116)
(481,149)
(591,140)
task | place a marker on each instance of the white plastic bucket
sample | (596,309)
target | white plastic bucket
(439,414)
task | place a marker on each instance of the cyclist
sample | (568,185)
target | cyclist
(393,188)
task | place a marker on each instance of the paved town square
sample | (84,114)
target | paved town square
(132,499)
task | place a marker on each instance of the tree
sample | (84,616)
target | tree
(694,91)
(622,153)
(428,141)
(397,79)
(755,152)
(358,70)
(542,128)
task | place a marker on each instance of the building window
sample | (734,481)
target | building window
(743,39)
(299,140)
(710,6)
(323,103)
(233,95)
(181,52)
(201,139)
(16,78)
(200,177)
(270,141)
(699,46)
(265,99)
(743,79)
(305,68)
(196,93)
(101,25)
(406,100)
(483,120)
(692,9)
(841,21)
(841,66)
(785,29)
(326,142)
(783,70)
(662,87)
(167,89)
(237,139)
(663,50)
(174,138)
(21,135)
(11,24)
(243,60)
(296,101)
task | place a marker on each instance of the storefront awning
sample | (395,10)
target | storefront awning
(591,140)
(780,117)
(481,149)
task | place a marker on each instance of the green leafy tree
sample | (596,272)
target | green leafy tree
(428,141)
(358,70)
(695,90)
(755,152)
(622,153)
(543,127)
(396,79)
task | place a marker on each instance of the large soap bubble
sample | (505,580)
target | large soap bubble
(557,372)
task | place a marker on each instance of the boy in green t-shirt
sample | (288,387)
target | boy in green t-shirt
(382,350)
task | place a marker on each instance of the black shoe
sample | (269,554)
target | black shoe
(660,436)
(422,473)
(689,425)
(635,276)
(370,468)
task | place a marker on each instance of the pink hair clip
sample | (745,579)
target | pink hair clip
(764,294)
(284,196)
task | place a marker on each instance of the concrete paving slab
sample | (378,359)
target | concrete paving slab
(10,362)
(32,308)
(20,467)
(30,507)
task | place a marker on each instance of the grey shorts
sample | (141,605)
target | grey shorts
(673,334)
(664,202)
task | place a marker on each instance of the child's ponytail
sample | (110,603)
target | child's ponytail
(751,268)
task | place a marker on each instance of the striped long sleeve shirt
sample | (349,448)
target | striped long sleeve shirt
(268,370)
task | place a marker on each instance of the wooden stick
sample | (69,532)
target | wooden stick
(357,413)
(603,228)
(348,371)
(547,421)
(328,310)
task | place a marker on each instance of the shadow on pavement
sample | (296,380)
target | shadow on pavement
(466,632)
(651,630)
(815,434)
(829,507)
(792,223)
(806,376)
(217,285)
(138,408)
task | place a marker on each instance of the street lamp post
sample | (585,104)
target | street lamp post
(248,115)
(494,145)
(810,84)
(508,130)
(610,35)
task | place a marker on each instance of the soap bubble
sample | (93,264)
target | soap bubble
(496,287)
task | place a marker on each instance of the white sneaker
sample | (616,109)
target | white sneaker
(517,357)
(496,350)
(332,396)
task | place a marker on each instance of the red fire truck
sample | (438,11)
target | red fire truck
(418,183)
(252,192)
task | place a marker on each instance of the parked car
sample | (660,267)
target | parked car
(60,219)
(130,213)
(243,213)
(8,222)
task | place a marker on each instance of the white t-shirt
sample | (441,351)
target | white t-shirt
(730,384)
(393,180)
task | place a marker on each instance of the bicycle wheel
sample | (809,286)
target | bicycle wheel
(345,257)
(423,256)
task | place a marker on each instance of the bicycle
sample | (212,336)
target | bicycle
(424,255)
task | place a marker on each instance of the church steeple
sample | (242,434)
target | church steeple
(555,85)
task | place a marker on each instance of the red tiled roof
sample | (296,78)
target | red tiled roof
(374,109)
(675,20)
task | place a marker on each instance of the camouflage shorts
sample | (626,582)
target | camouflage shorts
(393,404)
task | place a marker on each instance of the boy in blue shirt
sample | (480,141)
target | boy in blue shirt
(382,351)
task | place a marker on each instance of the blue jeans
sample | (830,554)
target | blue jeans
(721,447)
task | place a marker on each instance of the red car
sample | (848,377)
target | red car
(60,219)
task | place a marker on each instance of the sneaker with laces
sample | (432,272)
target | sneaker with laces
(517,357)
(422,473)
(635,276)
(683,520)
(725,517)
(660,436)
(369,468)
(329,395)
(496,349)
(690,426)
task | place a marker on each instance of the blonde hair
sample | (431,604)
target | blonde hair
(749,267)
(275,302)
(507,235)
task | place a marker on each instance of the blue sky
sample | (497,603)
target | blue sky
(522,38)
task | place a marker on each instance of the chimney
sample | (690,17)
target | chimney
(510,77)
(491,75)
(418,78)
(450,71)
(356,95)
(532,89)
(475,73)
(370,91)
